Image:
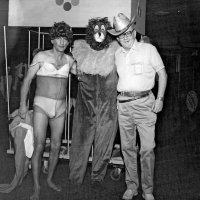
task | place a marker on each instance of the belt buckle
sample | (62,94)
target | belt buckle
(133,94)
(123,93)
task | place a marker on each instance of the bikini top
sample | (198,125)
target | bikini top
(50,70)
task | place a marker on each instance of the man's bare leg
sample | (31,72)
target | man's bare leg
(40,126)
(56,126)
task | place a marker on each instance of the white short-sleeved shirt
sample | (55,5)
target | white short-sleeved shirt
(137,68)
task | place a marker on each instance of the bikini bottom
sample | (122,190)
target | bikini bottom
(53,108)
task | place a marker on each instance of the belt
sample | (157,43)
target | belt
(138,95)
(134,93)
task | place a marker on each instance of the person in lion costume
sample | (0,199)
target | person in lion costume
(95,115)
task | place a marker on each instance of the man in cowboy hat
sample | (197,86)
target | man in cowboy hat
(137,64)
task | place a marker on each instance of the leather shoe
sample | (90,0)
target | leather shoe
(129,194)
(148,196)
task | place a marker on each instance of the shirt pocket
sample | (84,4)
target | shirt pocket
(137,69)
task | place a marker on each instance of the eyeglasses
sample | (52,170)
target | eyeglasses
(127,35)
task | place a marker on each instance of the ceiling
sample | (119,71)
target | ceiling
(173,24)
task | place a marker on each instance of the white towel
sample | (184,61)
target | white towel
(28,140)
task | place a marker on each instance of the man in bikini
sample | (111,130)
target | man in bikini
(51,68)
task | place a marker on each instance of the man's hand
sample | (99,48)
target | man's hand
(157,106)
(22,111)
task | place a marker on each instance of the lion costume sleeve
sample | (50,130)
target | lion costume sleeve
(95,115)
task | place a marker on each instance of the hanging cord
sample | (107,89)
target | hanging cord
(8,96)
(139,11)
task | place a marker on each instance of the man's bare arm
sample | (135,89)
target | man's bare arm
(162,83)
(72,66)
(25,88)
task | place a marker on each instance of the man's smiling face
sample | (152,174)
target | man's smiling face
(127,38)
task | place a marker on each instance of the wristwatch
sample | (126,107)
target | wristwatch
(160,98)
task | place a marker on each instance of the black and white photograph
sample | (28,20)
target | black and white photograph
(99,100)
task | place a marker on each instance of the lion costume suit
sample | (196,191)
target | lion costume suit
(95,114)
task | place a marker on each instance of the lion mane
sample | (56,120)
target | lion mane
(90,34)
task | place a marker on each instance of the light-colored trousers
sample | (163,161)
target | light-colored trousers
(134,115)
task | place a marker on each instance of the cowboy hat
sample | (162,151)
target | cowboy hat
(121,23)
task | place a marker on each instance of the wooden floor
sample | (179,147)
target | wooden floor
(177,169)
